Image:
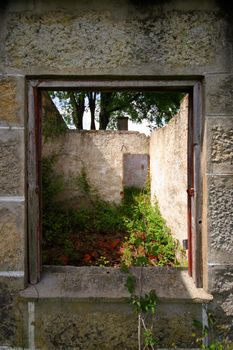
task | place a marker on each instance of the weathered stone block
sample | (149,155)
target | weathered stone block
(32,40)
(221,309)
(219,94)
(106,326)
(12,239)
(85,326)
(89,307)
(11,162)
(221,279)
(220,145)
(221,286)
(220,219)
(11,315)
(11,100)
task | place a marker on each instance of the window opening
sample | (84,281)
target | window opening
(80,226)
(93,211)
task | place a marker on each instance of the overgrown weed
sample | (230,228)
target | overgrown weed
(135,229)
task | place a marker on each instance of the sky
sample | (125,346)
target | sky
(131,125)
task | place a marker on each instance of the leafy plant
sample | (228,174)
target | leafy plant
(82,182)
(130,283)
(102,261)
(150,241)
(144,306)
(204,342)
(132,233)
(105,106)
(52,182)
(145,303)
(53,124)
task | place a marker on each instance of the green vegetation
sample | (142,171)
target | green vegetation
(105,106)
(149,240)
(145,306)
(207,340)
(103,234)
(52,127)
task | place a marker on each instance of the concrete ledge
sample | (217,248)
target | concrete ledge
(108,284)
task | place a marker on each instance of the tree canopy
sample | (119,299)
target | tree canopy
(157,108)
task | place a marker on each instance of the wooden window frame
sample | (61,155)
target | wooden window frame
(192,86)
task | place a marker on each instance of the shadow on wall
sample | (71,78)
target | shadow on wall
(100,155)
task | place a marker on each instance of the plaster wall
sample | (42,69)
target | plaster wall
(168,167)
(100,154)
(185,40)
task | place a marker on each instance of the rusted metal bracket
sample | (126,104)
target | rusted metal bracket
(190,191)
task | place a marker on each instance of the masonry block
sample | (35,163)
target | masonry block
(11,162)
(219,94)
(221,279)
(12,240)
(220,219)
(220,145)
(11,100)
(221,286)
(32,40)
(125,38)
(12,326)
(108,325)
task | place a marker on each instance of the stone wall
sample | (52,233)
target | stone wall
(168,154)
(59,39)
(128,38)
(100,154)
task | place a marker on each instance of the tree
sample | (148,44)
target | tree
(77,100)
(105,109)
(92,105)
(154,107)
(72,104)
